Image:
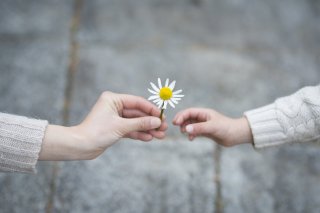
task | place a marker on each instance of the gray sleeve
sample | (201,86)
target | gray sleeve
(20,142)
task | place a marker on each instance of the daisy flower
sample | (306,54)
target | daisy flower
(164,95)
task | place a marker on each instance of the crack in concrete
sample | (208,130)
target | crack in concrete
(217,168)
(72,68)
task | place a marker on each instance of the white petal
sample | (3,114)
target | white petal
(156,101)
(152,97)
(153,92)
(171,104)
(177,92)
(165,105)
(154,87)
(167,82)
(159,83)
(161,103)
(174,101)
(171,86)
(178,96)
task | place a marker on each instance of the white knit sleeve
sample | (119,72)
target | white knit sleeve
(20,142)
(295,118)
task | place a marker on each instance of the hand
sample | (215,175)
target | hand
(114,116)
(209,123)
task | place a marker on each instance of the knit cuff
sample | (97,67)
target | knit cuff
(266,129)
(20,142)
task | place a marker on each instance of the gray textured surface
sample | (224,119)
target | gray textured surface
(232,55)
(282,179)
(33,63)
(172,176)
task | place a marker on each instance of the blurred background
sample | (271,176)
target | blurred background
(56,57)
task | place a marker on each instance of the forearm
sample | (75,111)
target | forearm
(64,143)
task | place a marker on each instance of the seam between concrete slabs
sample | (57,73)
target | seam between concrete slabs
(70,73)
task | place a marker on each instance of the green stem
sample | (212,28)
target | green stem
(161,114)
(162,110)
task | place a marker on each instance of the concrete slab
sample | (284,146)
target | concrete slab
(171,176)
(32,77)
(49,18)
(218,48)
(284,179)
(33,62)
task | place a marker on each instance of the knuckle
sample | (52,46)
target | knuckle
(143,124)
(106,94)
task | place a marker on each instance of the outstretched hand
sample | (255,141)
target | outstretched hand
(211,124)
(113,117)
(117,115)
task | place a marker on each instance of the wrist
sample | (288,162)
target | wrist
(65,143)
(84,144)
(242,131)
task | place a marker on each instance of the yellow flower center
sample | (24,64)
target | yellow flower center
(165,93)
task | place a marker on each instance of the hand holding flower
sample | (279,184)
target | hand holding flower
(114,116)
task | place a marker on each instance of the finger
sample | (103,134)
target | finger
(140,136)
(157,134)
(177,118)
(139,103)
(191,137)
(191,113)
(164,126)
(196,129)
(154,133)
(183,126)
(140,124)
(133,113)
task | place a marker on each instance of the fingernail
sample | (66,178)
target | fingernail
(154,123)
(189,128)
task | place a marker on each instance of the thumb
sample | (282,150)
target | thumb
(141,124)
(198,129)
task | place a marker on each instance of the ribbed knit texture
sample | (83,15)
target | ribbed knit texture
(295,118)
(20,142)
